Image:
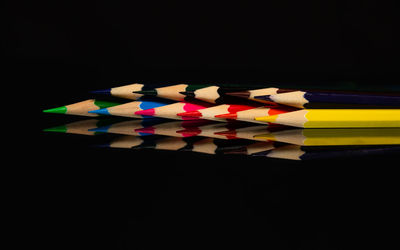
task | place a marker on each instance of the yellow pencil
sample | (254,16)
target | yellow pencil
(335,136)
(337,118)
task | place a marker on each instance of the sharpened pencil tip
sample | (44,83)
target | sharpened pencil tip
(105,145)
(227,116)
(59,110)
(189,132)
(226,133)
(266,137)
(242,94)
(149,130)
(146,112)
(58,129)
(190,114)
(152,92)
(100,112)
(187,93)
(263,153)
(100,129)
(238,151)
(264,98)
(101,92)
(271,118)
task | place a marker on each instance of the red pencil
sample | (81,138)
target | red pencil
(170,111)
(211,130)
(249,115)
(211,113)
(173,128)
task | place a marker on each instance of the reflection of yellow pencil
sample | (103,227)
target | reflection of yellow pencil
(337,118)
(296,152)
(336,136)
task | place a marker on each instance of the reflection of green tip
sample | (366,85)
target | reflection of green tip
(59,129)
(59,110)
(103,104)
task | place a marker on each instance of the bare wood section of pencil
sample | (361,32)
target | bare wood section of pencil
(172,92)
(82,127)
(170,143)
(126,110)
(126,142)
(126,91)
(82,108)
(208,94)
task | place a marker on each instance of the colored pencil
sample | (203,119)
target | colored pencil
(302,99)
(131,142)
(250,94)
(217,146)
(81,108)
(172,128)
(210,130)
(249,115)
(171,111)
(125,91)
(171,92)
(192,144)
(249,132)
(129,109)
(210,113)
(336,136)
(170,143)
(213,94)
(337,118)
(82,127)
(79,127)
(253,148)
(296,152)
(128,127)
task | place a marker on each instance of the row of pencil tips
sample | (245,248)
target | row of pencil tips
(239,138)
(305,109)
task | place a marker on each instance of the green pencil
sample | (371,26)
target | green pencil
(81,108)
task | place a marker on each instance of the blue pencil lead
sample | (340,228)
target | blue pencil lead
(102,92)
(105,145)
(100,111)
(100,129)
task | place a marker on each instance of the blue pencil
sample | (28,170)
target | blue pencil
(129,109)
(129,127)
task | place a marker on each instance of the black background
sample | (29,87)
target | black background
(74,195)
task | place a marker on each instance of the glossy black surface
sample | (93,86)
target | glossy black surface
(73,195)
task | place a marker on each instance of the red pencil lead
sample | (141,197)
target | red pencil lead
(149,130)
(227,116)
(189,132)
(226,133)
(191,114)
(236,108)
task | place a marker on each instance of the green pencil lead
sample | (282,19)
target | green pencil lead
(146,92)
(104,104)
(59,110)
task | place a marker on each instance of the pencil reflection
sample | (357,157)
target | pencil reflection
(334,137)
(237,138)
